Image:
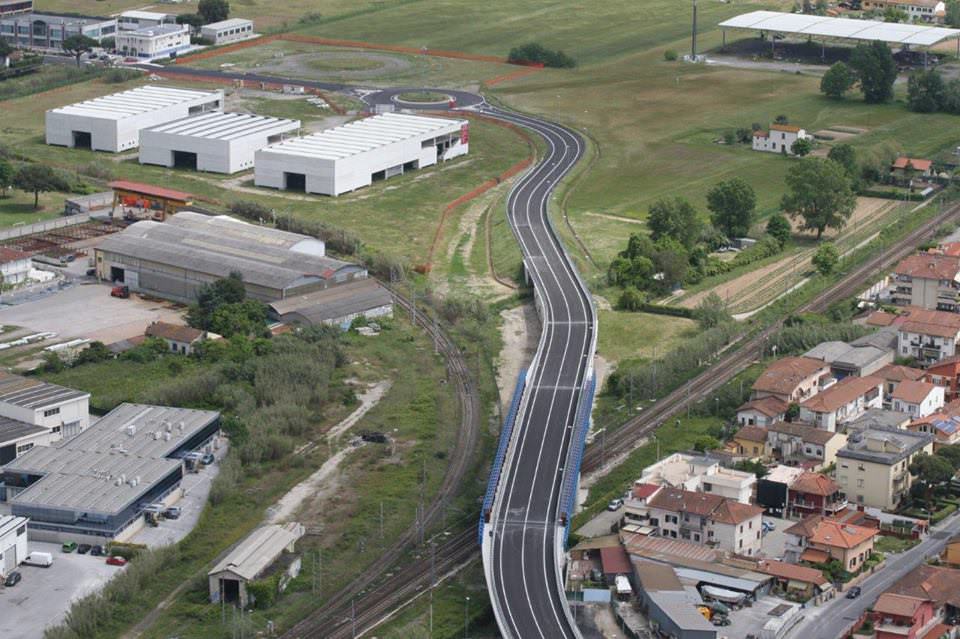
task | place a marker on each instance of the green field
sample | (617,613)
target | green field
(625,335)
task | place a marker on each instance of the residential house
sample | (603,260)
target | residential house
(903,617)
(946,373)
(845,401)
(780,138)
(762,412)
(179,338)
(14,266)
(903,170)
(700,474)
(792,379)
(814,494)
(929,281)
(928,336)
(797,444)
(708,519)
(817,540)
(917,398)
(851,360)
(940,586)
(873,468)
(751,441)
(773,489)
(892,375)
(944,425)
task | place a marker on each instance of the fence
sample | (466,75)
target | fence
(43,227)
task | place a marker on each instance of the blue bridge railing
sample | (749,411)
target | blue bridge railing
(505,434)
(568,498)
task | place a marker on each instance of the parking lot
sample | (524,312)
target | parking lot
(86,309)
(44,595)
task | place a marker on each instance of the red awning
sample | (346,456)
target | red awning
(149,189)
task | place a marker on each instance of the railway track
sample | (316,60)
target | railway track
(625,439)
(347,603)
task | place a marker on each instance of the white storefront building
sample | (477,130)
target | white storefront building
(149,43)
(215,141)
(227,30)
(113,122)
(355,155)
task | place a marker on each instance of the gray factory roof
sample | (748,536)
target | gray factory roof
(840,28)
(661,585)
(844,354)
(11,430)
(33,393)
(224,225)
(258,550)
(364,135)
(128,104)
(217,250)
(883,445)
(880,418)
(334,303)
(129,446)
(217,125)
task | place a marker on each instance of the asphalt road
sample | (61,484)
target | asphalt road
(833,619)
(526,587)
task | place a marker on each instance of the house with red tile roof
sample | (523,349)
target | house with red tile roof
(935,585)
(843,402)
(780,138)
(814,494)
(946,374)
(917,398)
(928,280)
(795,579)
(903,617)
(762,412)
(708,519)
(892,375)
(928,335)
(179,338)
(750,442)
(792,379)
(817,539)
(904,168)
(15,266)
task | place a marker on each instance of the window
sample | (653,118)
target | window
(740,545)
(709,534)
(22,530)
(51,411)
(696,536)
(708,487)
(859,483)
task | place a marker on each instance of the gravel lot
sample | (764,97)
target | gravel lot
(44,595)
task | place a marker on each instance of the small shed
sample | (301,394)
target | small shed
(179,338)
(250,559)
(156,200)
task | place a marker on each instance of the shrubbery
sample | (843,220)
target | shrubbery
(536,53)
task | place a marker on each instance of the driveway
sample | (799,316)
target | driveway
(601,524)
(832,619)
(45,594)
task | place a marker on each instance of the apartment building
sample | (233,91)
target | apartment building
(892,375)
(928,280)
(792,379)
(798,444)
(706,519)
(917,398)
(873,468)
(700,474)
(814,494)
(928,335)
(845,401)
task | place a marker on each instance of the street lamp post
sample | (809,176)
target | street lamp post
(466,616)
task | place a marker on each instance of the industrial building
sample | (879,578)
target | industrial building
(337,306)
(94,487)
(174,259)
(10,7)
(215,141)
(253,558)
(13,543)
(113,122)
(355,155)
(63,412)
(45,31)
(18,437)
(149,43)
(227,31)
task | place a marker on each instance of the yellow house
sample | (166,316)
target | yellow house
(817,540)
(751,441)
(873,468)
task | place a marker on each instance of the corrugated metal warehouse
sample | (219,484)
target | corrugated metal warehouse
(113,122)
(355,155)
(216,141)
(174,259)
(94,487)
(339,305)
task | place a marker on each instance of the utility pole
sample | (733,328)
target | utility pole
(466,616)
(381,521)
(353,617)
(693,38)
(433,583)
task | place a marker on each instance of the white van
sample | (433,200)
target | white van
(42,559)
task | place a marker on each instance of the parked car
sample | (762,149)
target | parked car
(854,592)
(69,546)
(12,579)
(208,459)
(83,549)
(97,551)
(768,525)
(173,512)
(116,560)
(42,559)
(615,505)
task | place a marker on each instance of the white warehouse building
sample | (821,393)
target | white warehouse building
(355,155)
(214,141)
(13,543)
(113,122)
(162,41)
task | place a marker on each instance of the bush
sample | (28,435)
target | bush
(670,55)
(117,76)
(631,300)
(536,53)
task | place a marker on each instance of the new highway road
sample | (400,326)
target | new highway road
(524,535)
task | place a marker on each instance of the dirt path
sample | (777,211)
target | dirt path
(520,335)
(368,399)
(615,218)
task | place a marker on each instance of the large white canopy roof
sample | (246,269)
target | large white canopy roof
(841,28)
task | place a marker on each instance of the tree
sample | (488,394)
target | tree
(826,258)
(892,14)
(732,204)
(195,20)
(781,119)
(210,297)
(37,179)
(932,471)
(6,176)
(239,318)
(5,48)
(801,147)
(711,312)
(671,263)
(952,17)
(925,91)
(820,194)
(846,156)
(213,10)
(951,454)
(779,228)
(838,79)
(77,45)
(705,442)
(676,219)
(876,69)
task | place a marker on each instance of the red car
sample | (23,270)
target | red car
(116,560)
